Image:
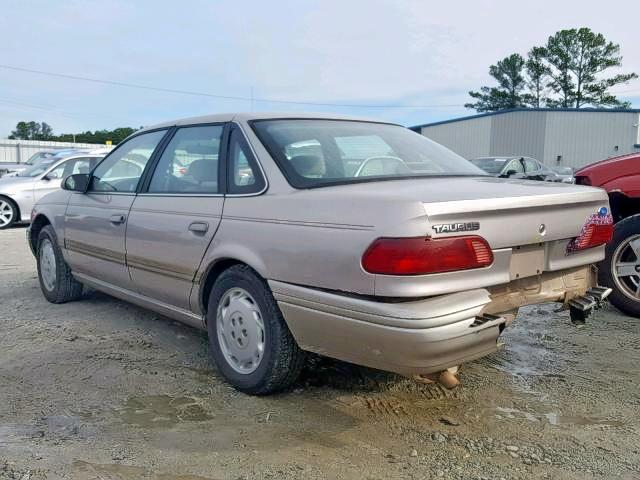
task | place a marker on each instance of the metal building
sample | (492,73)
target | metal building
(557,137)
(19,151)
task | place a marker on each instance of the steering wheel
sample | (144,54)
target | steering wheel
(403,166)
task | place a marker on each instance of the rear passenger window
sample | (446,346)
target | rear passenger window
(189,164)
(244,175)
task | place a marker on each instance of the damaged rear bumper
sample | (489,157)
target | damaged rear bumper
(420,336)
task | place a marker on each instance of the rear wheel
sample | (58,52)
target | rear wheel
(620,270)
(56,282)
(8,213)
(249,340)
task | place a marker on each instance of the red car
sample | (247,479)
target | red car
(620,177)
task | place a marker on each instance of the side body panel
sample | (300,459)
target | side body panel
(166,240)
(42,187)
(628,185)
(95,236)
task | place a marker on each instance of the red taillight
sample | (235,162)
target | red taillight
(423,255)
(597,231)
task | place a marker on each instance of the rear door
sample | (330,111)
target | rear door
(96,221)
(177,213)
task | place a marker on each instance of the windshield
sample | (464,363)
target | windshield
(490,165)
(37,157)
(313,153)
(39,168)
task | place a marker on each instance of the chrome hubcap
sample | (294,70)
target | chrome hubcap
(6,213)
(626,267)
(240,330)
(47,260)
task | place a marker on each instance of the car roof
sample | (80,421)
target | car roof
(246,116)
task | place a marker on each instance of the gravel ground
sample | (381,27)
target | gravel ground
(100,389)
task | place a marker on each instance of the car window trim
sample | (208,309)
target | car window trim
(130,137)
(143,187)
(256,162)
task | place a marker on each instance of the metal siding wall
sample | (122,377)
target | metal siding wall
(468,138)
(9,148)
(586,137)
(518,133)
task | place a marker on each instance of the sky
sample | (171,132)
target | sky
(411,62)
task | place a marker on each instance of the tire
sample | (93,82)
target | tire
(619,249)
(56,281)
(9,213)
(238,298)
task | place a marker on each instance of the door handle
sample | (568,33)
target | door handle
(117,219)
(199,227)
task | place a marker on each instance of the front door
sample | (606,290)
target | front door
(96,221)
(174,218)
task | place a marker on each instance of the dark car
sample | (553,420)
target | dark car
(518,167)
(620,270)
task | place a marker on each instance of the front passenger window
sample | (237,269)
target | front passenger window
(189,164)
(121,170)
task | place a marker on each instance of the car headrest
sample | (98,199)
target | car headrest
(308,165)
(203,170)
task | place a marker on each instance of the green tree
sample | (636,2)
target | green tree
(43,131)
(509,93)
(576,60)
(569,71)
(21,132)
(537,82)
(46,132)
(32,131)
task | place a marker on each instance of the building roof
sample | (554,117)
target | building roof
(510,110)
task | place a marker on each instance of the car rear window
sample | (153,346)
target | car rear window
(315,153)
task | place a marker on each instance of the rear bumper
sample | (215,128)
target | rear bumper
(421,336)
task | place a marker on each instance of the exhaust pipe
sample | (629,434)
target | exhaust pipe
(581,308)
(447,378)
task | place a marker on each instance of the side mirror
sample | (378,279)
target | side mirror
(78,182)
(509,173)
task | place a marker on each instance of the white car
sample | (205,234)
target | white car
(20,192)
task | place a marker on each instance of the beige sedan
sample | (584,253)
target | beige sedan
(287,234)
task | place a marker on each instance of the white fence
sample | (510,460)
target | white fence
(19,151)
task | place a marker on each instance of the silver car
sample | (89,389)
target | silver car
(18,193)
(287,234)
(11,168)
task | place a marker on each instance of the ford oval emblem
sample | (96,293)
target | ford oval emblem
(542,230)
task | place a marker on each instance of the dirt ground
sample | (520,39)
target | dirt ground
(100,389)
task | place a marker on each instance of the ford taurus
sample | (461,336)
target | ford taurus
(287,234)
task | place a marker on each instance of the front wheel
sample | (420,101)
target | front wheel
(620,270)
(8,213)
(249,340)
(56,282)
